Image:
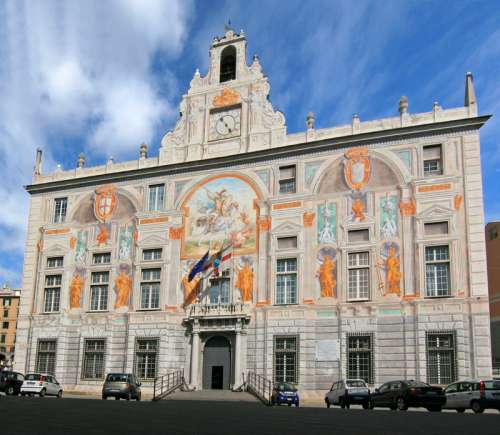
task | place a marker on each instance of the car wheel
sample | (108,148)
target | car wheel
(23,394)
(460,410)
(9,391)
(401,405)
(117,398)
(138,398)
(129,396)
(42,393)
(393,407)
(59,394)
(477,407)
(434,409)
(328,404)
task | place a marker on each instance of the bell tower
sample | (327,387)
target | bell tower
(227,111)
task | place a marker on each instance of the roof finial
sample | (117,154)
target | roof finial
(227,26)
(38,162)
(470,96)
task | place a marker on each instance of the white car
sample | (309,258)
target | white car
(41,384)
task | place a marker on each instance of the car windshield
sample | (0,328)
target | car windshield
(117,377)
(355,383)
(285,387)
(416,384)
(492,385)
(32,377)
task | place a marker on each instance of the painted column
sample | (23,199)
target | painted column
(195,355)
(237,360)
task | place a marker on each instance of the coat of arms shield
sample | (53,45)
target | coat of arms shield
(105,202)
(357,168)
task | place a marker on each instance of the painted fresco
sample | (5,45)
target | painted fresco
(125,240)
(389,269)
(357,205)
(244,281)
(389,216)
(221,210)
(76,288)
(327,272)
(81,246)
(327,223)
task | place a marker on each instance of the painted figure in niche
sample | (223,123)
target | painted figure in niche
(357,168)
(76,288)
(357,205)
(388,216)
(105,202)
(327,273)
(123,286)
(244,282)
(392,265)
(327,223)
(125,242)
(103,234)
(81,246)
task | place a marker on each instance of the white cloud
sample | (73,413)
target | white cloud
(80,69)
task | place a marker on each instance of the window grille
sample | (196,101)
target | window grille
(150,288)
(286,359)
(146,358)
(93,359)
(360,357)
(52,294)
(358,268)
(46,356)
(437,271)
(99,291)
(286,281)
(441,357)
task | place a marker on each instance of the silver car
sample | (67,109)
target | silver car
(477,395)
(347,392)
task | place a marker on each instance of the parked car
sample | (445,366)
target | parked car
(404,394)
(121,386)
(284,392)
(347,392)
(42,384)
(10,382)
(477,395)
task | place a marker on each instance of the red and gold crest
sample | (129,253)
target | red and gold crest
(357,168)
(105,202)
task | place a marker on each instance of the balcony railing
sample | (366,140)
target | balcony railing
(236,309)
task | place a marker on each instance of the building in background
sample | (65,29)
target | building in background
(493,258)
(352,251)
(9,309)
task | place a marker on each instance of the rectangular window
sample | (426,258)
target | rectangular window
(286,281)
(285,359)
(54,262)
(435,228)
(46,356)
(2,338)
(101,258)
(493,233)
(441,357)
(150,289)
(52,294)
(5,325)
(151,254)
(360,357)
(93,359)
(156,195)
(355,236)
(437,271)
(6,312)
(358,269)
(60,208)
(432,160)
(99,291)
(146,357)
(287,179)
(287,242)
(218,292)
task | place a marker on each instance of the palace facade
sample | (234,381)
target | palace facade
(353,251)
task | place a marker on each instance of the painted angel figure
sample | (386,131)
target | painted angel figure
(389,226)
(327,233)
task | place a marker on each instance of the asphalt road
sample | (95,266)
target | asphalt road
(24,415)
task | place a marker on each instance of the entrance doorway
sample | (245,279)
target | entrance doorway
(217,363)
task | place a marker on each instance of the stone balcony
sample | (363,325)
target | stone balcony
(217,311)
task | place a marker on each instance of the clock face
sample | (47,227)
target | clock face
(225,124)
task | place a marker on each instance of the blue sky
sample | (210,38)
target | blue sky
(102,76)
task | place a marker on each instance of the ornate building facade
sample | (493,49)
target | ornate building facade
(355,250)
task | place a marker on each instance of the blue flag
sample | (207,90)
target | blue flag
(198,267)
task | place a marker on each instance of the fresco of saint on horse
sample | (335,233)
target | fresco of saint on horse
(221,211)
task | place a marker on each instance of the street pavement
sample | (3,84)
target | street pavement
(33,416)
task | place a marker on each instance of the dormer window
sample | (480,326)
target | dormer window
(228,64)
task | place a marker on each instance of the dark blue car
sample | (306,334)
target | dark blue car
(284,392)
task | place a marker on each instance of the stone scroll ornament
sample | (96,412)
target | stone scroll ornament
(357,168)
(389,265)
(327,272)
(76,286)
(244,281)
(123,286)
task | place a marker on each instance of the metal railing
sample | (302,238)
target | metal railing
(260,387)
(216,310)
(166,384)
(496,370)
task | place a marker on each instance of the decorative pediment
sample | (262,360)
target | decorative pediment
(287,228)
(435,212)
(55,248)
(153,240)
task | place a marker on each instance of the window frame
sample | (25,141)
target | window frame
(454,356)
(99,286)
(55,290)
(284,181)
(152,250)
(59,216)
(436,172)
(296,352)
(56,265)
(94,353)
(101,255)
(138,351)
(360,350)
(427,263)
(150,282)
(47,353)
(368,268)
(158,206)
(287,272)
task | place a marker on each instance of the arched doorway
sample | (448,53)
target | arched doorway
(217,363)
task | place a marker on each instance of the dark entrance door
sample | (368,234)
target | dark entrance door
(217,363)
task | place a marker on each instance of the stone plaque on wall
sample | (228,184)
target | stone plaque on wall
(328,350)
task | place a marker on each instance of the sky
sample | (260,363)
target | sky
(103,76)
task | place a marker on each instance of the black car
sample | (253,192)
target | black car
(402,395)
(10,382)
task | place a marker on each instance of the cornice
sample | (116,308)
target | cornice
(302,149)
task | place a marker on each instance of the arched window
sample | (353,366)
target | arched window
(228,64)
